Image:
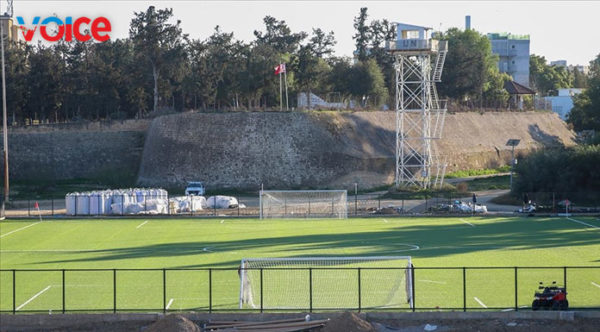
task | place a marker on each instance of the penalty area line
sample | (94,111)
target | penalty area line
(169,304)
(19,229)
(583,223)
(142,224)
(480,303)
(32,298)
(466,222)
(433,281)
(595,284)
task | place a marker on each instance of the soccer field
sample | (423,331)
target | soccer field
(182,245)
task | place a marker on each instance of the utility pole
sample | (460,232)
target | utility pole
(4,126)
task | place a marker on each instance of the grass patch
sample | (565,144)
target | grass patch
(476,172)
(193,245)
(489,183)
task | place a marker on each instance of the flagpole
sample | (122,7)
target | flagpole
(287,100)
(280,91)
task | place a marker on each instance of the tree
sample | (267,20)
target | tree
(279,36)
(157,41)
(366,82)
(309,70)
(579,79)
(547,79)
(470,66)
(362,35)
(321,44)
(585,114)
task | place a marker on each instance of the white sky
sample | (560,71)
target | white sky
(568,30)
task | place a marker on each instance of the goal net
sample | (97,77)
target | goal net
(303,204)
(326,283)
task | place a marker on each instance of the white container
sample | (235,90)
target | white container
(95,203)
(70,203)
(83,204)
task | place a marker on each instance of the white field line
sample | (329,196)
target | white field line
(142,224)
(433,281)
(169,304)
(480,303)
(19,229)
(222,221)
(583,223)
(48,250)
(595,284)
(32,298)
(466,222)
(385,221)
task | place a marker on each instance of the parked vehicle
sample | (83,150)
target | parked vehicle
(195,188)
(550,297)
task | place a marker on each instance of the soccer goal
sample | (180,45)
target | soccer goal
(326,283)
(303,204)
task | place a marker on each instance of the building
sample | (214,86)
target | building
(559,63)
(563,103)
(10,29)
(513,51)
(571,68)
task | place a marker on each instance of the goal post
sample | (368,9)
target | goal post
(376,282)
(303,204)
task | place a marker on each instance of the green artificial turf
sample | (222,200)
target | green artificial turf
(180,245)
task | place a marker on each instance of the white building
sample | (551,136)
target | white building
(563,103)
(513,51)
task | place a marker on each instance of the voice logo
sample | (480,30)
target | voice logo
(82,29)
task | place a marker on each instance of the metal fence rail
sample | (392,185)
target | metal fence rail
(217,289)
(358,205)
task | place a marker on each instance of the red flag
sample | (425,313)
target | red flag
(280,69)
(36,205)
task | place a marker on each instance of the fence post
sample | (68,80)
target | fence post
(516,292)
(565,278)
(210,290)
(359,291)
(63,291)
(412,278)
(355,199)
(379,203)
(114,290)
(122,204)
(164,271)
(53,206)
(29,207)
(261,290)
(191,205)
(14,289)
(464,289)
(238,207)
(310,286)
(169,204)
(215,206)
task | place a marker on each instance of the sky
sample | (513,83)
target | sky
(559,30)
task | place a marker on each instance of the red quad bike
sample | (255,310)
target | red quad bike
(550,297)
